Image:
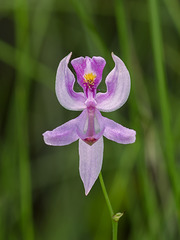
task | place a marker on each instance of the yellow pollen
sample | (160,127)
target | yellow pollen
(89,78)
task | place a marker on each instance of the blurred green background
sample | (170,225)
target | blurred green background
(41,194)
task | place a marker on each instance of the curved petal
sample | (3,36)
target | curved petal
(64,134)
(118,133)
(98,64)
(118,88)
(79,65)
(91,158)
(67,97)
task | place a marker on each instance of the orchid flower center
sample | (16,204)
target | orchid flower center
(89,79)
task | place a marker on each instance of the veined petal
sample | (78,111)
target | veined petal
(118,88)
(67,97)
(64,134)
(91,158)
(79,65)
(91,127)
(98,64)
(118,133)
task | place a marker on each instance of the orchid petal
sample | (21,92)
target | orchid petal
(98,64)
(118,88)
(88,65)
(90,162)
(64,134)
(118,133)
(79,65)
(67,97)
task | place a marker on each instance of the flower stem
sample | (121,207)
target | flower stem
(114,217)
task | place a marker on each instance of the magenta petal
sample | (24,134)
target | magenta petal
(67,97)
(88,65)
(79,65)
(98,64)
(118,88)
(118,133)
(91,158)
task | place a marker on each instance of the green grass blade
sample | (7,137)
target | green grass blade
(163,98)
(90,29)
(173,7)
(22,89)
(43,74)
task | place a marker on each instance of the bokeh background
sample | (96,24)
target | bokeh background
(41,194)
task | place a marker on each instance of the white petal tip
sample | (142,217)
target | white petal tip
(87,191)
(131,139)
(133,136)
(45,136)
(87,187)
(68,56)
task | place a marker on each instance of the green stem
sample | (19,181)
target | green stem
(114,217)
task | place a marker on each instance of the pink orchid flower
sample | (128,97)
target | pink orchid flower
(90,126)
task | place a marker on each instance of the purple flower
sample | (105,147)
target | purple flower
(90,126)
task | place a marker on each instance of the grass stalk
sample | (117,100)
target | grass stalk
(163,98)
(22,89)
